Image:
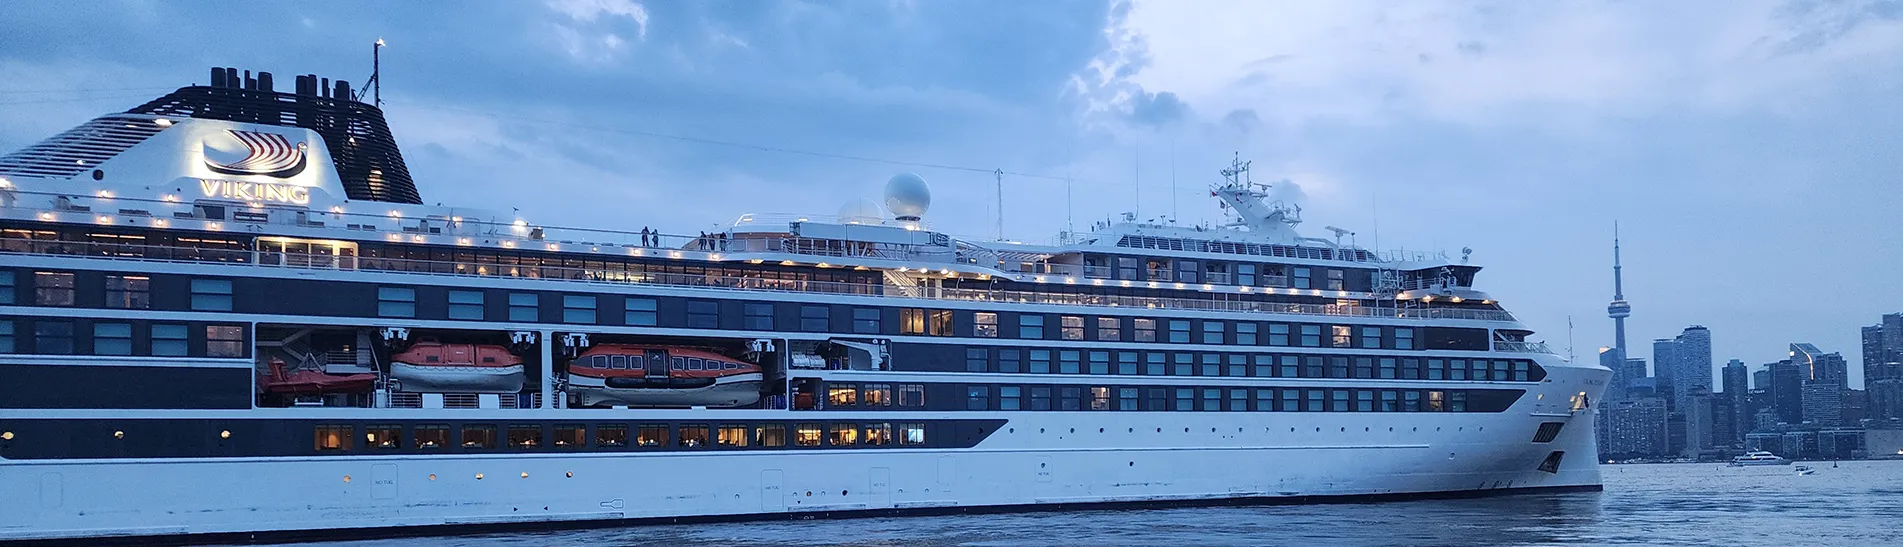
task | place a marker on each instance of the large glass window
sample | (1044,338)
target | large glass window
(1127,398)
(465,305)
(224,341)
(694,436)
(1245,275)
(1238,365)
(1211,364)
(912,434)
(1403,338)
(383,436)
(938,323)
(1364,367)
(1341,336)
(53,337)
(1245,333)
(170,340)
(1183,364)
(1040,398)
(977,360)
(1212,332)
(1185,399)
(1127,363)
(429,436)
(1153,364)
(479,436)
(523,307)
(876,395)
(334,438)
(525,436)
(879,434)
(396,302)
(1109,329)
(1040,361)
(703,314)
(1009,398)
(1070,398)
(984,324)
(641,312)
(650,435)
(911,321)
(808,434)
(578,309)
(112,339)
(1371,337)
(770,434)
(133,292)
(1071,327)
(757,316)
(1311,336)
(1145,330)
(977,398)
(8,288)
(1179,331)
(1302,278)
(842,394)
(1100,398)
(1100,362)
(1335,280)
(211,294)
(731,436)
(1031,326)
(53,288)
(815,318)
(1010,360)
(1390,368)
(912,395)
(865,320)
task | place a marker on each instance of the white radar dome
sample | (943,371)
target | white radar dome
(860,211)
(907,196)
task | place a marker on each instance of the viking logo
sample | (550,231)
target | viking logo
(268,154)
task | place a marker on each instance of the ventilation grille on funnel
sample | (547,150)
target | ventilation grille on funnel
(81,148)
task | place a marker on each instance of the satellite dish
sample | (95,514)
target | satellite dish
(907,197)
(859,211)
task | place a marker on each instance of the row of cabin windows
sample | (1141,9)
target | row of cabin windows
(132,292)
(1214,399)
(61,337)
(637,362)
(1261,365)
(874,395)
(344,438)
(1183,270)
(1178,331)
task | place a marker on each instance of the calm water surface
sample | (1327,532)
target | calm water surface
(1858,503)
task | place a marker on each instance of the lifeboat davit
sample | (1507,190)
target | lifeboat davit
(457,368)
(631,375)
(305,381)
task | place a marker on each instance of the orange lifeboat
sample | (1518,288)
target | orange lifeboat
(461,368)
(636,375)
(306,381)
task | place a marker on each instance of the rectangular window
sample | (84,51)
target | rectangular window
(977,398)
(53,288)
(396,302)
(1245,275)
(1291,400)
(1265,400)
(1264,366)
(912,434)
(911,321)
(1410,369)
(1338,400)
(1071,398)
(1071,327)
(132,292)
(1334,280)
(842,394)
(1212,399)
(1100,362)
(1479,370)
(808,434)
(1312,367)
(1212,332)
(769,434)
(8,286)
(1389,368)
(465,305)
(1341,336)
(570,436)
(1238,365)
(638,312)
(1009,398)
(1127,268)
(912,395)
(1145,330)
(1287,366)
(224,341)
(1403,338)
(977,360)
(1500,371)
(1186,271)
(1245,333)
(1390,401)
(335,438)
(578,309)
(876,395)
(1068,362)
(170,341)
(1338,367)
(843,434)
(1311,336)
(1156,399)
(1364,400)
(1212,364)
(479,436)
(865,321)
(650,435)
(1040,398)
(1520,371)
(1179,331)
(1371,337)
(1436,369)
(1031,326)
(879,434)
(938,323)
(694,436)
(1153,364)
(756,316)
(383,436)
(1457,369)
(1436,401)
(1302,278)
(429,436)
(1411,401)
(1183,364)
(1238,399)
(523,307)
(984,324)
(815,318)
(730,436)
(703,314)
(6,336)
(53,337)
(1040,361)
(1456,401)
(211,294)
(1127,363)
(525,436)
(1364,367)
(112,339)
(1100,398)
(1010,360)
(1109,329)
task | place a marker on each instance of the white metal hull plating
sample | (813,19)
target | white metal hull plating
(1038,458)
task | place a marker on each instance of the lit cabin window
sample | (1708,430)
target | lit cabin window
(770,434)
(525,436)
(731,436)
(984,325)
(807,434)
(844,434)
(334,438)
(611,436)
(479,436)
(383,436)
(651,435)
(879,434)
(911,434)
(693,436)
(53,288)
(430,436)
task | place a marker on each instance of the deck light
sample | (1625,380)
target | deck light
(525,474)
(7,436)
(479,476)
(118,434)
(226,434)
(162,122)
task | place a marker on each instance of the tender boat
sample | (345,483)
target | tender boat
(631,375)
(460,368)
(307,381)
(1758,457)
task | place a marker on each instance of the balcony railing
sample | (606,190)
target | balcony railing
(149,253)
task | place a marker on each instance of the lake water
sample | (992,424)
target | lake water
(1858,503)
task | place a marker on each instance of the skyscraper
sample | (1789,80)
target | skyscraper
(1883,371)
(1694,359)
(1616,388)
(1665,367)
(1736,395)
(1787,391)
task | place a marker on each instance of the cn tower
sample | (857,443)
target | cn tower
(1619,309)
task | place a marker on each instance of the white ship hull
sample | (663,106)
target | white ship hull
(457,379)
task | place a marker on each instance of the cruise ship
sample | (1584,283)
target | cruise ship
(228,315)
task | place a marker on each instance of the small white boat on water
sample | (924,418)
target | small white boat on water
(1758,457)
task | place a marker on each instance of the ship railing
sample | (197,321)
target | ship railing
(1521,347)
(149,253)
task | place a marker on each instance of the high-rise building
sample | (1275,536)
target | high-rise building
(1820,367)
(1736,417)
(1665,367)
(1883,371)
(1699,421)
(1613,359)
(1724,426)
(1683,363)
(1787,391)
(1633,428)
(1823,404)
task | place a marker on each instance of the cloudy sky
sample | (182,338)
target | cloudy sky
(1749,148)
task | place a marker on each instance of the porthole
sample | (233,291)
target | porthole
(842,492)
(1073,430)
(1159,430)
(809,493)
(1012,430)
(1416,428)
(118,434)
(525,474)
(1318,430)
(1364,430)
(1343,430)
(1040,430)
(571,474)
(1100,430)
(226,434)
(346,478)
(1132,430)
(1133,463)
(479,476)
(1212,430)
(1185,430)
(432,476)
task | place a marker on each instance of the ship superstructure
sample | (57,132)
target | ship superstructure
(229,312)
